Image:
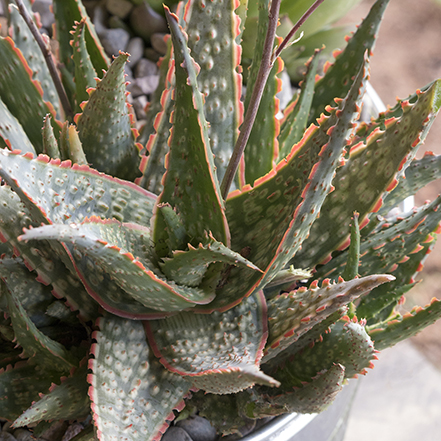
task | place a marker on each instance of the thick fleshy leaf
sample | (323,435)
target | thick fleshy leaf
(25,102)
(394,331)
(12,134)
(219,80)
(50,143)
(13,218)
(296,113)
(67,401)
(76,192)
(96,247)
(42,350)
(132,395)
(293,314)
(312,397)
(33,296)
(347,343)
(404,272)
(19,31)
(369,172)
(269,221)
(218,353)
(383,249)
(189,163)
(66,13)
(337,79)
(85,73)
(189,267)
(419,173)
(20,386)
(105,126)
(262,146)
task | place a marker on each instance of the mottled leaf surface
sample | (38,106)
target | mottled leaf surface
(67,401)
(105,126)
(218,353)
(189,163)
(369,172)
(25,102)
(293,314)
(219,81)
(133,395)
(97,247)
(76,192)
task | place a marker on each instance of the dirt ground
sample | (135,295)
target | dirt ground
(408,56)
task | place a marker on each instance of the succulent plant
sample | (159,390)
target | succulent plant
(138,279)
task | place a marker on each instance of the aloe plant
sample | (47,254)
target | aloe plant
(136,284)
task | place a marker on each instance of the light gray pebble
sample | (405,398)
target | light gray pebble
(23,435)
(158,43)
(145,21)
(176,434)
(46,15)
(143,86)
(136,49)
(114,40)
(145,68)
(120,8)
(151,54)
(198,428)
(6,436)
(99,19)
(139,105)
(73,430)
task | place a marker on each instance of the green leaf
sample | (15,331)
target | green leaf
(337,79)
(219,80)
(50,144)
(66,13)
(313,397)
(132,395)
(262,148)
(96,247)
(296,113)
(404,327)
(25,102)
(42,350)
(105,126)
(189,267)
(85,73)
(190,167)
(20,386)
(351,268)
(271,220)
(67,401)
(12,133)
(347,344)
(419,173)
(24,40)
(76,191)
(293,314)
(368,173)
(13,218)
(218,353)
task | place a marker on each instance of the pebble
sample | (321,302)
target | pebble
(139,105)
(158,43)
(6,436)
(43,7)
(23,435)
(145,21)
(136,49)
(145,68)
(198,428)
(114,40)
(143,86)
(176,434)
(120,8)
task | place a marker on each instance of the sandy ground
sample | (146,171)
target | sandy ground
(406,57)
